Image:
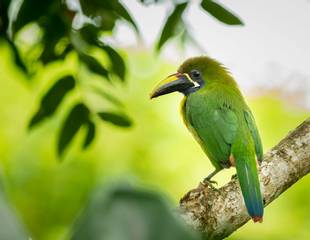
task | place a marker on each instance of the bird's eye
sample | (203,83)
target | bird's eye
(195,74)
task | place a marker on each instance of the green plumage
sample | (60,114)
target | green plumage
(224,126)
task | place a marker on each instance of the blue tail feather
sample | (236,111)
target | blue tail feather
(250,187)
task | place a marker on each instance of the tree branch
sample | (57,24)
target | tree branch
(219,212)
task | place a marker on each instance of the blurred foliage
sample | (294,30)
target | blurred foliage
(62,33)
(77,79)
(10,227)
(48,195)
(60,38)
(52,99)
(124,213)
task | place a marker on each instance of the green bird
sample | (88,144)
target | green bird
(216,113)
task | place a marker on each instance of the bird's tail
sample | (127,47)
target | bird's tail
(250,187)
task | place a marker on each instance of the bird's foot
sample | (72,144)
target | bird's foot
(210,183)
(234,177)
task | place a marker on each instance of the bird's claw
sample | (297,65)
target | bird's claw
(234,177)
(209,182)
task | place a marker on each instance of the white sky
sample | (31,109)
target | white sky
(271,49)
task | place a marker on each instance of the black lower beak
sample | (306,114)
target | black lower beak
(176,82)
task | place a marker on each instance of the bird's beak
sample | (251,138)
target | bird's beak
(175,82)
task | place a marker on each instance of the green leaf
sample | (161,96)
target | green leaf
(118,64)
(4,24)
(109,12)
(4,18)
(52,99)
(94,66)
(32,10)
(170,27)
(103,9)
(76,118)
(127,214)
(122,11)
(115,118)
(220,13)
(54,30)
(89,33)
(91,131)
(17,58)
(108,96)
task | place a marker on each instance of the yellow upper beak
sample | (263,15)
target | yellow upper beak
(175,82)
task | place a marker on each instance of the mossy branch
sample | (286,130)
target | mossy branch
(219,212)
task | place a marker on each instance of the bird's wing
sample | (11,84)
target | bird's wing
(216,126)
(255,135)
(226,122)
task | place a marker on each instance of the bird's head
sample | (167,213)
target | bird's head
(194,74)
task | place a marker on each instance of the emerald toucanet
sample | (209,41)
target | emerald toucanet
(216,113)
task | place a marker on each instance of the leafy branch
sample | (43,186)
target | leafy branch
(60,37)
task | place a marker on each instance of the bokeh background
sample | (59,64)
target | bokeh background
(269,57)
